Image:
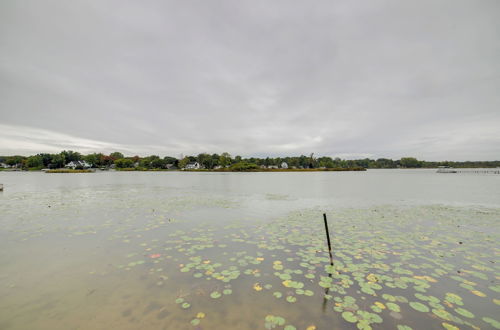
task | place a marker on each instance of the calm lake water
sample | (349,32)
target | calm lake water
(170,250)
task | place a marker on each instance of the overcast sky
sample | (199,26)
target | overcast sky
(352,79)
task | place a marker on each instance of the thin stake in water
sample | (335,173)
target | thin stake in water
(327,290)
(328,239)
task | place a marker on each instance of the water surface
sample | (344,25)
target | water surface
(170,250)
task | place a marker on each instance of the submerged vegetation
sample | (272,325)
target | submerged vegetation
(420,267)
(64,170)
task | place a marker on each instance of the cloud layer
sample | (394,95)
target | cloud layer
(384,79)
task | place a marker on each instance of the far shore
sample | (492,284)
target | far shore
(221,170)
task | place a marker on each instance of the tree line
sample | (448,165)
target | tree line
(211,161)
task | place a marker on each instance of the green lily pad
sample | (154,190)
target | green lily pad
(491,321)
(442,314)
(393,307)
(419,307)
(464,312)
(215,295)
(349,317)
(404,327)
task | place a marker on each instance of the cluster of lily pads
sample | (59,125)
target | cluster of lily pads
(393,267)
(400,267)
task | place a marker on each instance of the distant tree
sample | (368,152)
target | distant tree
(57,161)
(171,160)
(116,155)
(157,162)
(70,155)
(145,162)
(312,161)
(243,166)
(215,160)
(15,160)
(105,160)
(46,159)
(124,163)
(325,162)
(34,162)
(225,159)
(363,162)
(384,163)
(92,159)
(205,160)
(183,162)
(409,162)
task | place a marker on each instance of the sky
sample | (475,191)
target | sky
(349,79)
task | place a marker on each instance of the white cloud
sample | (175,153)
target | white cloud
(389,79)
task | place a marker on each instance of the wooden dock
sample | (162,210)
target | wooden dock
(492,171)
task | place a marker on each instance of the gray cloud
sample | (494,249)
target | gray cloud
(377,79)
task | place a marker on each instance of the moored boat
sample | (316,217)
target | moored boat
(446,169)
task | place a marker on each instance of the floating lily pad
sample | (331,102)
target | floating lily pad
(404,327)
(492,322)
(215,295)
(464,312)
(393,307)
(419,307)
(349,317)
(448,326)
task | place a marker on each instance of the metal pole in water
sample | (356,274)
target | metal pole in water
(328,239)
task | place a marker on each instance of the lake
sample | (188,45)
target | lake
(412,249)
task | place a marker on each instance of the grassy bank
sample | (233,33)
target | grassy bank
(132,169)
(282,170)
(247,169)
(68,171)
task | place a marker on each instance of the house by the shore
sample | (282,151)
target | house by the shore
(193,166)
(78,164)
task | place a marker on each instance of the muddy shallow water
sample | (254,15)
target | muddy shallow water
(412,249)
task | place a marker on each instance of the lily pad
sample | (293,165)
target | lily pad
(215,295)
(349,317)
(464,312)
(419,307)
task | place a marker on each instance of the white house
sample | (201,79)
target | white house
(284,165)
(193,166)
(3,165)
(78,163)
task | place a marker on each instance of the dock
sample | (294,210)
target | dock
(492,171)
